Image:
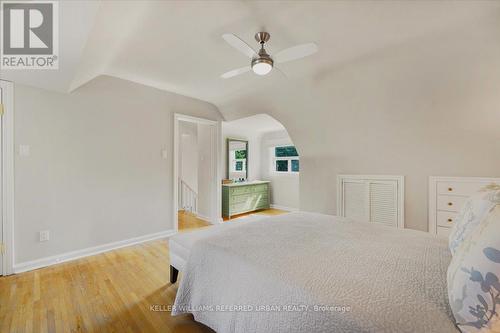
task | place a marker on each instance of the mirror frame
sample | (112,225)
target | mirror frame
(227,156)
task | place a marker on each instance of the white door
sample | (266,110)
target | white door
(355,200)
(383,202)
(6,175)
(2,240)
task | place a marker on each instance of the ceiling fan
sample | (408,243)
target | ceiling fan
(262,63)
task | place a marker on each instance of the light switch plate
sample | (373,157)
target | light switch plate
(164,154)
(24,150)
(44,235)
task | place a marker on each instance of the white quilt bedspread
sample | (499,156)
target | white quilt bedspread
(304,272)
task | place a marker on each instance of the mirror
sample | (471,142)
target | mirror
(237,159)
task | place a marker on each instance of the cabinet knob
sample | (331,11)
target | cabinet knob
(450,220)
(450,203)
(450,189)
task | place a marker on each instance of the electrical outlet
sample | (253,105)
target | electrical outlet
(44,235)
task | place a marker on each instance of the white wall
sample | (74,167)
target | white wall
(188,154)
(285,189)
(95,173)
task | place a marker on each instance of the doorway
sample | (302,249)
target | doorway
(7,177)
(197,169)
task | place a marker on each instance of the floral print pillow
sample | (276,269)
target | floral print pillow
(473,211)
(473,278)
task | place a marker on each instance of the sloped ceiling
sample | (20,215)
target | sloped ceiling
(177,45)
(76,19)
(256,124)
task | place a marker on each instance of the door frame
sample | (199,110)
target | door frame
(215,168)
(7,178)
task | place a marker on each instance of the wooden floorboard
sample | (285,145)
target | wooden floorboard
(270,211)
(189,221)
(109,292)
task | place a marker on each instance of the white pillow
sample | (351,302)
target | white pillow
(473,211)
(473,278)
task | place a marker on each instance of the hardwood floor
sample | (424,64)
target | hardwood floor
(125,290)
(189,221)
(116,291)
(271,211)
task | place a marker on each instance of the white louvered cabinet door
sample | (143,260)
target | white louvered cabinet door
(355,200)
(376,199)
(383,203)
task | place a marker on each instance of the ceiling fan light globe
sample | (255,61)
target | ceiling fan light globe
(262,68)
(263,64)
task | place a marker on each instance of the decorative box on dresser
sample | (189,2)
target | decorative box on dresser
(447,195)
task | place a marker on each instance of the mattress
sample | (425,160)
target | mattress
(304,272)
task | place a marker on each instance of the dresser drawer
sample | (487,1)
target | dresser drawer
(450,203)
(446,219)
(251,197)
(254,202)
(443,231)
(240,198)
(262,202)
(242,190)
(260,188)
(240,207)
(459,188)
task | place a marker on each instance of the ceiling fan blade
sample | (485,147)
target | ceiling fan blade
(235,72)
(239,44)
(295,52)
(281,72)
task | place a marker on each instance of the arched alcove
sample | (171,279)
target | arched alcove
(272,157)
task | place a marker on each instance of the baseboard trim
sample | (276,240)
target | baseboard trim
(290,209)
(206,219)
(90,251)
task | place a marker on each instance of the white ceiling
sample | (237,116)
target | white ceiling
(259,123)
(177,45)
(76,20)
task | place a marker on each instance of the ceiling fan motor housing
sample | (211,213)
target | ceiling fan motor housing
(262,58)
(262,37)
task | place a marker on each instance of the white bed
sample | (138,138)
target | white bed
(304,272)
(181,244)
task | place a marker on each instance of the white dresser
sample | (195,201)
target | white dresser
(447,196)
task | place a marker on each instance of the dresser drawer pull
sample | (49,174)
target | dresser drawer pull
(450,189)
(450,203)
(450,220)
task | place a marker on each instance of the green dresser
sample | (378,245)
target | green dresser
(240,198)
